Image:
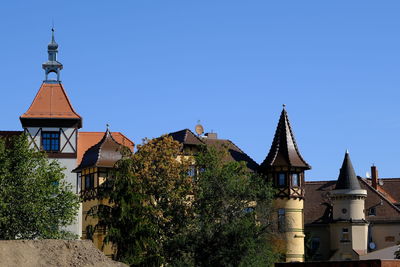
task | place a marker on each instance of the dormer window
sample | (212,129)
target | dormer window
(51,141)
(281,179)
(372,211)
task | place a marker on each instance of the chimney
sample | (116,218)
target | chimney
(211,135)
(374,177)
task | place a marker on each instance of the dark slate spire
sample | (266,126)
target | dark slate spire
(284,151)
(52,65)
(103,154)
(347,177)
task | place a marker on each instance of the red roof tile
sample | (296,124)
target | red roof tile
(51,102)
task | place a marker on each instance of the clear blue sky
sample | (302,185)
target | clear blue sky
(153,67)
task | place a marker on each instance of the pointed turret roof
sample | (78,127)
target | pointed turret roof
(51,102)
(103,154)
(347,177)
(284,151)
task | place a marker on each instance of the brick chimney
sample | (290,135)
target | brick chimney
(374,177)
(211,135)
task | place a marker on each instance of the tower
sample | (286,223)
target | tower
(349,229)
(52,124)
(94,169)
(284,167)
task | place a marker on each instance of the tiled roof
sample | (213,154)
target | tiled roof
(317,204)
(89,139)
(187,137)
(235,153)
(103,154)
(284,150)
(51,102)
(391,186)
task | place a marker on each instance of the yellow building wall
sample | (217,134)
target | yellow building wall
(294,227)
(98,235)
(385,235)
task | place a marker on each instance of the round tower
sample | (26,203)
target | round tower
(285,167)
(349,229)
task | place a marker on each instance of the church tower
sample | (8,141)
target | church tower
(349,229)
(52,124)
(285,167)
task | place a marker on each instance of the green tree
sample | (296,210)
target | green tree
(232,205)
(148,203)
(35,201)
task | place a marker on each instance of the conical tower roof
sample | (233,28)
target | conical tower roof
(284,151)
(347,177)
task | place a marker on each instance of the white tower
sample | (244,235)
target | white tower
(52,124)
(349,230)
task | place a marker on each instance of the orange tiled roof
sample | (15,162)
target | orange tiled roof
(89,139)
(51,102)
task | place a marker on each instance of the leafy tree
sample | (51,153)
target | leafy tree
(35,201)
(158,215)
(232,224)
(148,203)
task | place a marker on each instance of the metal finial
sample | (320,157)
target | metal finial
(52,35)
(347,151)
(284,106)
(108,127)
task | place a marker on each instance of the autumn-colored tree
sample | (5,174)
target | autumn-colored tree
(35,200)
(149,204)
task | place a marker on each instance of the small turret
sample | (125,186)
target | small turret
(284,167)
(349,229)
(52,65)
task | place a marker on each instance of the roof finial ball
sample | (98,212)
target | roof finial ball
(284,106)
(108,127)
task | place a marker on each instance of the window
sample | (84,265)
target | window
(281,220)
(192,171)
(281,179)
(372,211)
(79,182)
(315,243)
(89,181)
(295,179)
(389,238)
(51,141)
(345,234)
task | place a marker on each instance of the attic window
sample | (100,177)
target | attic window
(372,211)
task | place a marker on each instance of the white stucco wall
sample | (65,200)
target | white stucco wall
(68,163)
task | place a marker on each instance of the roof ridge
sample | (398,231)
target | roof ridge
(240,150)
